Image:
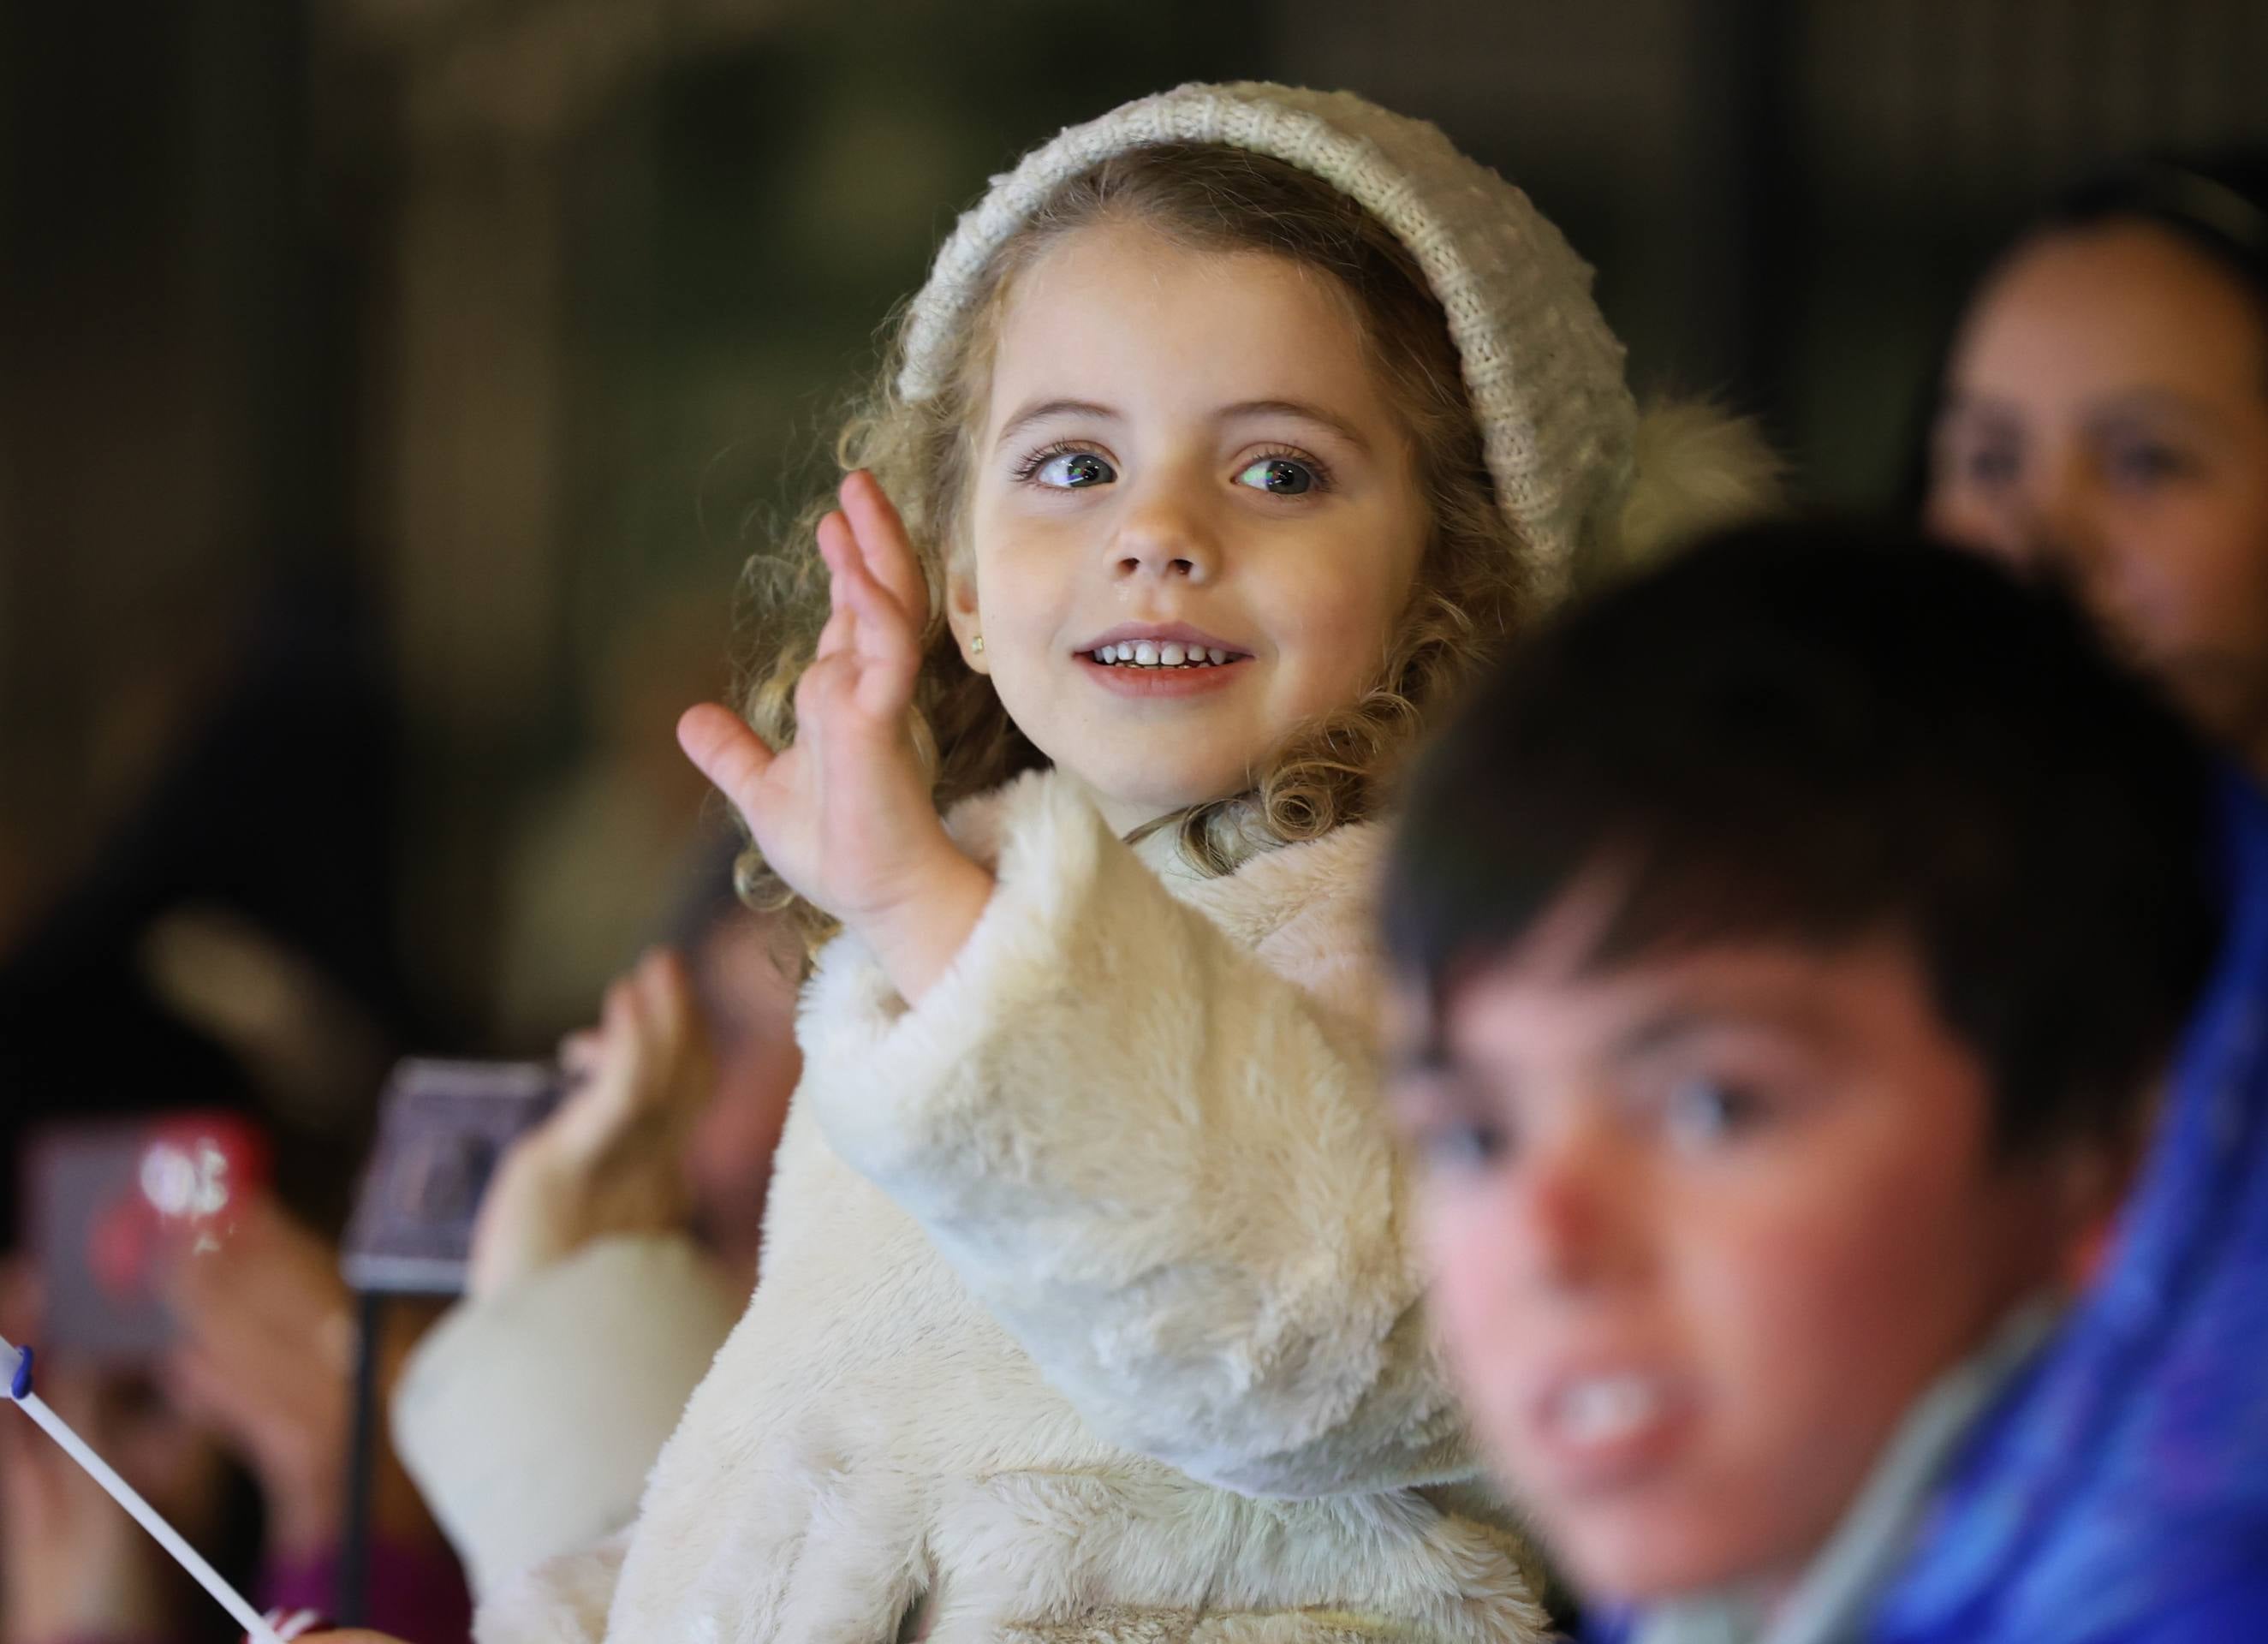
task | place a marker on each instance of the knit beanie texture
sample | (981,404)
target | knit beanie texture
(1543,373)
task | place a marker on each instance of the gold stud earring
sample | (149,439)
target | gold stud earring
(976,644)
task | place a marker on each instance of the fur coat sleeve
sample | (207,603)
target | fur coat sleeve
(529,1419)
(1139,1117)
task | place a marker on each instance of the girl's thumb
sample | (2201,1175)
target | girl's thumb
(727,752)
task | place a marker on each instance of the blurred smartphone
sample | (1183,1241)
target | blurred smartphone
(114,1203)
(441,1128)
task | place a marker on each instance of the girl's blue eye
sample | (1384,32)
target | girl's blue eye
(1075,470)
(1280,476)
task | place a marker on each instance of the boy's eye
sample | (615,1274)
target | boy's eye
(1074,470)
(1463,1145)
(1703,1112)
(1281,476)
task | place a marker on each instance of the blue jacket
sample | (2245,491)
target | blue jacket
(2119,1494)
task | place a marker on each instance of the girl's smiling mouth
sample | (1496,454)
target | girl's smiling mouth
(1161,660)
(1156,679)
(1161,645)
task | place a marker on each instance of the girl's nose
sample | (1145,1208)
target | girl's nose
(1166,534)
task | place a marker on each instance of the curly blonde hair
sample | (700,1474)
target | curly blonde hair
(1472,593)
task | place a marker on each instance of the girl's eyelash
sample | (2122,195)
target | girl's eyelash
(1033,461)
(1315,465)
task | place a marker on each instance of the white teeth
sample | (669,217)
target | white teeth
(1156,653)
(1608,1408)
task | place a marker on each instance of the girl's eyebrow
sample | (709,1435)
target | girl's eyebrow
(1046,408)
(1305,412)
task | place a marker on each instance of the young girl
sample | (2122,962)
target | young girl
(1231,431)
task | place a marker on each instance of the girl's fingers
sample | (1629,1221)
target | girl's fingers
(887,642)
(875,592)
(720,744)
(876,610)
(838,548)
(838,636)
(883,545)
(861,602)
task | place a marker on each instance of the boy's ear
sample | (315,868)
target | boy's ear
(2089,1181)
(961,616)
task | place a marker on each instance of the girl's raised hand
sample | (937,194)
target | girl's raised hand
(844,813)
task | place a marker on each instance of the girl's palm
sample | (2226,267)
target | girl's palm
(843,812)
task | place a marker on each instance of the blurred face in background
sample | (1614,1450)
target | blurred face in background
(2106,421)
(1703,1228)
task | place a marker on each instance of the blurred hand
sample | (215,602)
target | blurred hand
(845,814)
(73,1563)
(266,1357)
(610,1159)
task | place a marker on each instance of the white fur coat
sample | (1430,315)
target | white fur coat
(1088,1309)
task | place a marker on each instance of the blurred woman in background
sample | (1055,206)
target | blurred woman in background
(2104,418)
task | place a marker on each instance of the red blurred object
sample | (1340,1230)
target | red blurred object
(113,1203)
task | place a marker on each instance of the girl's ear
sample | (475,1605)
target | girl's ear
(960,614)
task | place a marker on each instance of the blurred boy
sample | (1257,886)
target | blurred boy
(1793,940)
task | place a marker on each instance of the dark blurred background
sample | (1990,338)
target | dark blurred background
(390,389)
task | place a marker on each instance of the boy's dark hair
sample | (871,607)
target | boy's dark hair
(1810,733)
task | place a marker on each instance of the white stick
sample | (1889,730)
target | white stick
(125,1495)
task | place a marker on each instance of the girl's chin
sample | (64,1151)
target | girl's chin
(1128,803)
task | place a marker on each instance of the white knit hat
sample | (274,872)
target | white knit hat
(1544,374)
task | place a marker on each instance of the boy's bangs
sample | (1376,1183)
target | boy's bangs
(1803,736)
(1670,875)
